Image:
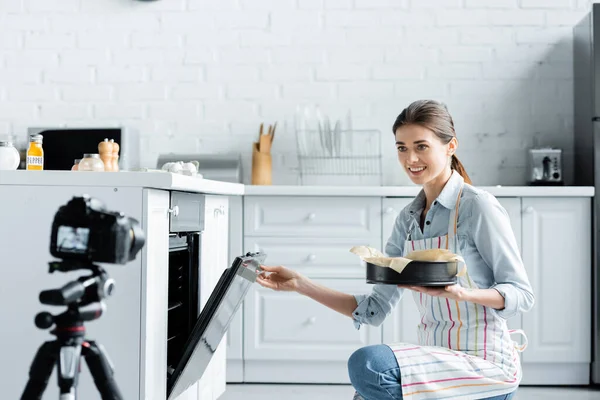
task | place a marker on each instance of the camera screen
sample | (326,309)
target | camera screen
(72,240)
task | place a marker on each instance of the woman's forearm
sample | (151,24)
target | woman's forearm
(486,297)
(341,302)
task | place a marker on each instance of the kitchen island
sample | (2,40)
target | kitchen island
(135,328)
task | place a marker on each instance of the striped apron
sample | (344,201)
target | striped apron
(465,350)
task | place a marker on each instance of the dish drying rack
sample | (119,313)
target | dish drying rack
(339,157)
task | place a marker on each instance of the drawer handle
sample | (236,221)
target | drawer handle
(389,210)
(311,321)
(174,211)
(529,210)
(311,257)
(311,216)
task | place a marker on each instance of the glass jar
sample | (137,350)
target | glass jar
(75,166)
(91,162)
(35,153)
(9,156)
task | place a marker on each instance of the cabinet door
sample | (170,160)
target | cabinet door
(512,205)
(557,255)
(401,325)
(315,258)
(213,262)
(286,326)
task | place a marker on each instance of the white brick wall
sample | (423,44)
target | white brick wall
(201,75)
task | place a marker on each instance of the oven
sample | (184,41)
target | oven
(193,333)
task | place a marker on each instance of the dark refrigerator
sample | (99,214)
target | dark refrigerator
(586,96)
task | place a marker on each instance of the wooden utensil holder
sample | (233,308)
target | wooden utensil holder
(261,167)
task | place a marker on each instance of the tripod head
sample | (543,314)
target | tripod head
(84,298)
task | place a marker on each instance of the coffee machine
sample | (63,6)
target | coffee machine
(545,167)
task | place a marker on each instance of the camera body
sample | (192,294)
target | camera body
(83,230)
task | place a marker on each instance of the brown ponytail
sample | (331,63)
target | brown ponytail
(434,116)
(458,167)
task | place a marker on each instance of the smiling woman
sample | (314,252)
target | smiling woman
(464,347)
(422,125)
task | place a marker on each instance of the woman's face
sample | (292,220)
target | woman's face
(422,154)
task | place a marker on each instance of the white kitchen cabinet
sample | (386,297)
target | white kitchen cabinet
(286,340)
(324,217)
(289,337)
(557,256)
(292,338)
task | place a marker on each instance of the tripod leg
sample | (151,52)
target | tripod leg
(102,370)
(40,370)
(68,371)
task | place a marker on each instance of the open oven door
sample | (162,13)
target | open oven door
(213,322)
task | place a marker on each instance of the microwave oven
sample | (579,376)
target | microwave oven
(62,146)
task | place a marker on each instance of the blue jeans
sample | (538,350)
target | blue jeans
(375,374)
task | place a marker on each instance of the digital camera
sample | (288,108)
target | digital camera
(83,230)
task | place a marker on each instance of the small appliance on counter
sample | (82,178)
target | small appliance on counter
(545,167)
(217,167)
(63,145)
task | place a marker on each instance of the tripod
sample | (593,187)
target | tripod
(70,344)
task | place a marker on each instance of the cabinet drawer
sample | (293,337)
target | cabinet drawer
(328,258)
(312,216)
(187,212)
(287,326)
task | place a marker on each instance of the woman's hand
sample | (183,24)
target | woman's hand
(452,292)
(279,278)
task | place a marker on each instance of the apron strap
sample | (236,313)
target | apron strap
(520,347)
(453,220)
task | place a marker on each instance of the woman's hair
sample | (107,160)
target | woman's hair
(434,116)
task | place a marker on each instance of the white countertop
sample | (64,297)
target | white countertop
(155,180)
(169,181)
(411,191)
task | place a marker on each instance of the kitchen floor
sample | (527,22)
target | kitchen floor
(345,392)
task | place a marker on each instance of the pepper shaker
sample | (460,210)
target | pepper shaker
(105,151)
(115,155)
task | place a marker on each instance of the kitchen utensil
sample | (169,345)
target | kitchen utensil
(349,132)
(273,132)
(416,273)
(337,138)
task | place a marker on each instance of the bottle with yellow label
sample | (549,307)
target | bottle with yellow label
(35,153)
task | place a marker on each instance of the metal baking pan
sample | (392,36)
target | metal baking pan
(416,273)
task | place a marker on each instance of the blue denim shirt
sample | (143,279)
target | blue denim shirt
(486,241)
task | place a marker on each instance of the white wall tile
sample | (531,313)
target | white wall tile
(200,75)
